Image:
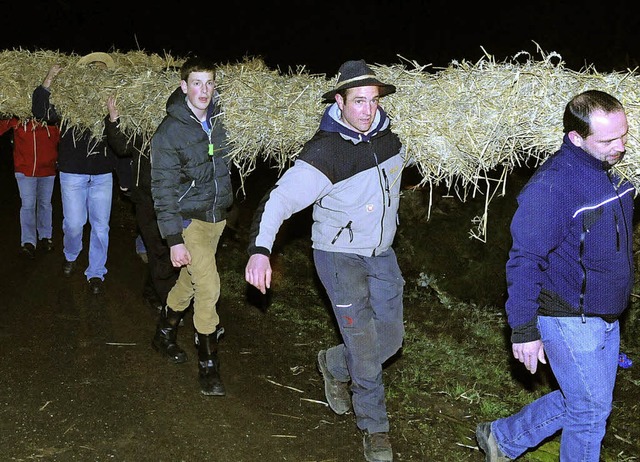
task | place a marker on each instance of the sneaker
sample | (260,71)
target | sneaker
(336,392)
(377,447)
(45,244)
(95,284)
(488,444)
(28,250)
(68,267)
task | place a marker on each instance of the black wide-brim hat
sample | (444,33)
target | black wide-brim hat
(356,74)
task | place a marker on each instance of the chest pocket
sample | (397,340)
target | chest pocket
(590,217)
(601,235)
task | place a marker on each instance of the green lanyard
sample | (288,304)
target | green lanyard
(205,127)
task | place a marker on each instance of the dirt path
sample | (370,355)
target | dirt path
(80,380)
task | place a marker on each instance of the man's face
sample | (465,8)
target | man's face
(359,107)
(199,89)
(608,136)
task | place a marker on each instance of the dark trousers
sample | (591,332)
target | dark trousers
(162,275)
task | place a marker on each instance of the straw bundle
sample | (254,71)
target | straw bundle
(461,123)
(469,119)
(140,82)
(268,114)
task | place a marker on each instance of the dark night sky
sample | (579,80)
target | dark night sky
(322,34)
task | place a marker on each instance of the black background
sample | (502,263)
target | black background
(320,35)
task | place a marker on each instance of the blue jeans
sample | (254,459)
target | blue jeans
(87,196)
(35,208)
(366,296)
(584,359)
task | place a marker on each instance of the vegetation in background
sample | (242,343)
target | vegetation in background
(455,368)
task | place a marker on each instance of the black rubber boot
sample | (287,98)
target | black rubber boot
(164,341)
(208,364)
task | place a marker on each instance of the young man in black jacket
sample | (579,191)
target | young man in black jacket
(192,193)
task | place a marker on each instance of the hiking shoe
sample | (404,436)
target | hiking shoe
(336,392)
(488,444)
(28,250)
(377,447)
(95,285)
(46,244)
(68,267)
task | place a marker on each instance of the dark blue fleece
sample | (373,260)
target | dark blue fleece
(572,240)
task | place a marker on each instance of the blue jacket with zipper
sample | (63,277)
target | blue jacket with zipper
(572,252)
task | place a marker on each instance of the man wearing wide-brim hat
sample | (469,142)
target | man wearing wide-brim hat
(350,171)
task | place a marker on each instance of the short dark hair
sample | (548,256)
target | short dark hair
(197,64)
(577,113)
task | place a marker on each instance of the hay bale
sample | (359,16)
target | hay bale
(140,81)
(267,114)
(461,123)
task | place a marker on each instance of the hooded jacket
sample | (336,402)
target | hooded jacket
(78,151)
(572,252)
(35,146)
(132,146)
(353,182)
(190,176)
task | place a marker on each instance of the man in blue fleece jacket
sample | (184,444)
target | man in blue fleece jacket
(569,278)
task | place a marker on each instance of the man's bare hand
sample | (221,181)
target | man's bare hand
(51,75)
(258,272)
(529,354)
(113,108)
(180,256)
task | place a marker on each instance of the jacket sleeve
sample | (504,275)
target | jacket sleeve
(538,226)
(165,178)
(297,189)
(117,140)
(41,106)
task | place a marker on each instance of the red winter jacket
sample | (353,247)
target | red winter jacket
(35,146)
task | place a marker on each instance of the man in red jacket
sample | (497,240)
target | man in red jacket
(35,153)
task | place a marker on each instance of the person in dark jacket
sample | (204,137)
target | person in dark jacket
(161,274)
(86,166)
(569,279)
(350,171)
(192,193)
(35,152)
